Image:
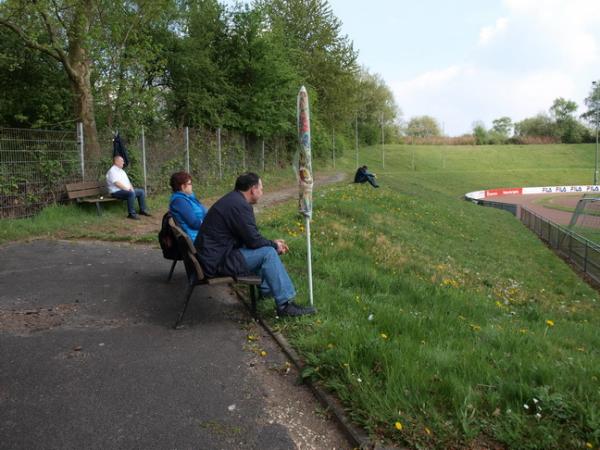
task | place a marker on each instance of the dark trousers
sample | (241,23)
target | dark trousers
(130,196)
(368,178)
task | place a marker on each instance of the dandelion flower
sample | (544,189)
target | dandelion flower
(589,445)
(263,353)
(398,426)
(383,336)
(550,323)
(428,431)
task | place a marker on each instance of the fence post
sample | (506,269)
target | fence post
(244,152)
(356,137)
(263,156)
(382,144)
(187,149)
(219,153)
(333,145)
(81,148)
(585,255)
(144,160)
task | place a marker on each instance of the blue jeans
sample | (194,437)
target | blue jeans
(265,261)
(130,196)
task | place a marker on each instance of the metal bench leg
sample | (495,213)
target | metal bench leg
(253,298)
(171,271)
(98,208)
(188,295)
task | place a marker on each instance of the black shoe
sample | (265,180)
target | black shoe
(133,217)
(290,309)
(145,213)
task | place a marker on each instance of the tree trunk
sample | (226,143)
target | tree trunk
(79,67)
(84,109)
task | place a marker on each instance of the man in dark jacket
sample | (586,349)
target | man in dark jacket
(229,244)
(363,175)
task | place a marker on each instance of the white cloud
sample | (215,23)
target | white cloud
(570,26)
(486,34)
(459,95)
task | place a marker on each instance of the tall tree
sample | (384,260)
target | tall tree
(423,126)
(60,30)
(592,101)
(502,126)
(23,72)
(323,57)
(196,72)
(73,33)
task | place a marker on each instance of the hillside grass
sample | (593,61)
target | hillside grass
(443,324)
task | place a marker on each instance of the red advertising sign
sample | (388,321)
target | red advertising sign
(503,191)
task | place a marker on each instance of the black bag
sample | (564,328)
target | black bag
(167,240)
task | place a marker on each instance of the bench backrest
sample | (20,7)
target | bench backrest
(188,252)
(86,189)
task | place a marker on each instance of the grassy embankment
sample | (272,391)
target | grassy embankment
(441,323)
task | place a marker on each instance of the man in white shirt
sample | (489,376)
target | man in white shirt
(120,187)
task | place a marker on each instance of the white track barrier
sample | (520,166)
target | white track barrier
(491,193)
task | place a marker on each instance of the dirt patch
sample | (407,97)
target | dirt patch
(35,319)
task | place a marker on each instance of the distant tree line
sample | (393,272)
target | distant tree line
(121,64)
(559,125)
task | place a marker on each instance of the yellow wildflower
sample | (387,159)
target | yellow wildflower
(550,323)
(589,445)
(383,336)
(428,431)
(398,426)
(263,353)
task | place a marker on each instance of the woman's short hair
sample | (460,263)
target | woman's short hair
(178,179)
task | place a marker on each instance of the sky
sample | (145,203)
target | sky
(465,61)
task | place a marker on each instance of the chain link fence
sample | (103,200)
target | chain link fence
(581,252)
(35,165)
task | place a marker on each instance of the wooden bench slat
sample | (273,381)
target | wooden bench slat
(84,185)
(87,193)
(96,200)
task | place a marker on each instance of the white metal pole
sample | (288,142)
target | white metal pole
(333,145)
(81,148)
(144,160)
(309,260)
(263,156)
(382,144)
(356,137)
(187,149)
(219,153)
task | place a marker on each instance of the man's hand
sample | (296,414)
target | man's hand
(282,247)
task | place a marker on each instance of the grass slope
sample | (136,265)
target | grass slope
(443,324)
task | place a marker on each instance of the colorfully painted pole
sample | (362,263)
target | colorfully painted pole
(305,178)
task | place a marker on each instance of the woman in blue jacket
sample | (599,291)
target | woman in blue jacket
(184,206)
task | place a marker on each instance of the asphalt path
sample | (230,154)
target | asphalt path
(88,359)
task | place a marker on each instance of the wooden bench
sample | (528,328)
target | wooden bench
(89,192)
(195,274)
